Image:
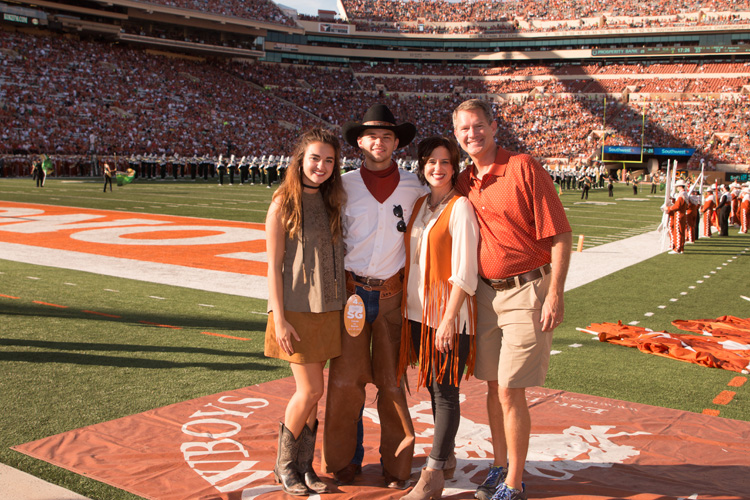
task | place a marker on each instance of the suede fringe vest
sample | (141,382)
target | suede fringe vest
(437,288)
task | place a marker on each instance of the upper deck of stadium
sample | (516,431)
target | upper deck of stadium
(269,77)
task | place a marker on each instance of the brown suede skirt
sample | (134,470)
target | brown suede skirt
(319,333)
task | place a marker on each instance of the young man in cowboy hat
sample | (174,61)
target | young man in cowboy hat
(379,201)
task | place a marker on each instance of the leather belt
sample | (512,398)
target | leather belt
(387,287)
(518,280)
(367,281)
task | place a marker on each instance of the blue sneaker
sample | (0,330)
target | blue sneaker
(495,477)
(505,492)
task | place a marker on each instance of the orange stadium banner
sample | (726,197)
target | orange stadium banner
(723,342)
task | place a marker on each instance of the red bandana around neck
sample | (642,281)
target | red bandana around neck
(381,184)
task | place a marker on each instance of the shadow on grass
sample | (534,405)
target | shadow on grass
(84,359)
(84,353)
(32,310)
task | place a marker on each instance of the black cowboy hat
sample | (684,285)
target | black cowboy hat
(379,116)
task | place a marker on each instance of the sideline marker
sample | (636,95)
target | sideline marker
(224,336)
(49,304)
(737,382)
(724,397)
(580,242)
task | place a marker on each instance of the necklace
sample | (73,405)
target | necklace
(310,187)
(432,206)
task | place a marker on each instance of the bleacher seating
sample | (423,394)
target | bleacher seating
(257,10)
(59,91)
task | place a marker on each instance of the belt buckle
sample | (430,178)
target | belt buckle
(501,285)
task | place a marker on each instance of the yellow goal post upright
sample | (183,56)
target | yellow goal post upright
(604,127)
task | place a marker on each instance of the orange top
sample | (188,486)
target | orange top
(518,211)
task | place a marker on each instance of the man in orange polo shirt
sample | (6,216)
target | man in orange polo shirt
(524,252)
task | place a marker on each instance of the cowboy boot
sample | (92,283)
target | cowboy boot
(305,459)
(285,471)
(429,486)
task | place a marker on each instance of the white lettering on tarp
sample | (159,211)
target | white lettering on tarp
(220,413)
(556,456)
(585,409)
(210,433)
(54,223)
(223,462)
(200,448)
(559,456)
(119,235)
(249,402)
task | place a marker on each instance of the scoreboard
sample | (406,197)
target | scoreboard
(672,51)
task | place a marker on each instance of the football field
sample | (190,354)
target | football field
(92,342)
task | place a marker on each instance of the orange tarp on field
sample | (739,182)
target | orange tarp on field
(222,447)
(723,342)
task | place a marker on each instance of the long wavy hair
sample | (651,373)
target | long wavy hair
(289,194)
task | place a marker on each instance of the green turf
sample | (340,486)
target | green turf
(62,369)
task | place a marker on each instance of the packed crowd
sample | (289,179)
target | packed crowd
(257,10)
(69,97)
(63,95)
(517,70)
(295,76)
(502,10)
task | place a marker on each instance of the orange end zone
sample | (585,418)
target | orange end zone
(724,397)
(218,245)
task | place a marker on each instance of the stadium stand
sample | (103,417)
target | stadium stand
(77,95)
(258,10)
(478,15)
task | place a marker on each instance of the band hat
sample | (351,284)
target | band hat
(679,183)
(379,116)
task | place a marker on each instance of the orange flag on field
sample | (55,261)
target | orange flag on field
(723,342)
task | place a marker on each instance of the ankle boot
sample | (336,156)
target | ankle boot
(450,467)
(430,486)
(285,471)
(305,459)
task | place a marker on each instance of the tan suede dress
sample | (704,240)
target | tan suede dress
(314,295)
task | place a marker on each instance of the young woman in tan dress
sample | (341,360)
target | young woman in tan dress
(306,295)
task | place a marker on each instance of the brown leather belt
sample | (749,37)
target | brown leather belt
(518,280)
(367,281)
(386,287)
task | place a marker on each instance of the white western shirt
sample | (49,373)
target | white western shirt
(374,247)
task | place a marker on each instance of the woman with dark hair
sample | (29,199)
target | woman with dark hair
(306,295)
(441,277)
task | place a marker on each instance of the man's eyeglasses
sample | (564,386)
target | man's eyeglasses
(399,212)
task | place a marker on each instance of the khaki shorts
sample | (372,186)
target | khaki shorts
(511,346)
